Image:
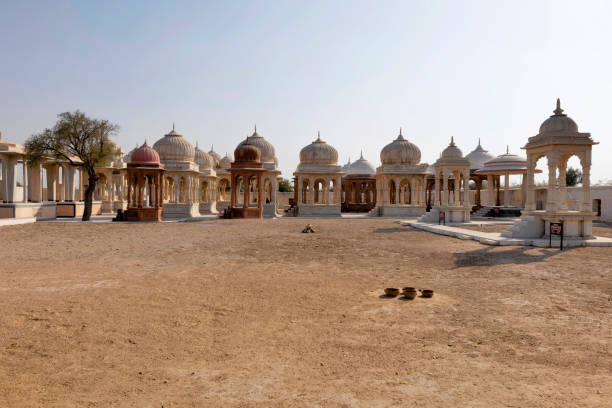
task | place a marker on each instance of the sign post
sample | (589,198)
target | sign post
(556,228)
(442,217)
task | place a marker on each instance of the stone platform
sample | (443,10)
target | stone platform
(495,238)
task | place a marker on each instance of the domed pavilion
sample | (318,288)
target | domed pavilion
(111,180)
(181,198)
(452,175)
(557,141)
(400,180)
(224,179)
(318,180)
(477,158)
(145,192)
(271,173)
(359,186)
(503,165)
(207,183)
(247,177)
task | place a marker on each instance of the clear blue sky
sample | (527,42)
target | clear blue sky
(356,70)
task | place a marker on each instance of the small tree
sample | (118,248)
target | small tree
(78,139)
(573,177)
(285,186)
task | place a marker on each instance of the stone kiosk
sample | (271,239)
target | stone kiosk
(400,180)
(207,181)
(145,191)
(453,196)
(247,174)
(318,181)
(557,140)
(359,186)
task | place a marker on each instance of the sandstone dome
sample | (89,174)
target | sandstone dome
(318,152)
(478,157)
(559,122)
(247,153)
(203,159)
(265,148)
(144,156)
(452,151)
(215,156)
(225,162)
(400,151)
(174,147)
(361,166)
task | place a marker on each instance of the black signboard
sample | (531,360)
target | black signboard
(556,228)
(442,218)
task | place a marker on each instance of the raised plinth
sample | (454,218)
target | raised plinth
(451,214)
(208,208)
(536,224)
(399,211)
(143,214)
(181,210)
(319,210)
(251,212)
(40,211)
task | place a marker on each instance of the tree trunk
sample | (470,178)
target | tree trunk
(89,191)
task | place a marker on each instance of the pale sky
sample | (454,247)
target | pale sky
(355,70)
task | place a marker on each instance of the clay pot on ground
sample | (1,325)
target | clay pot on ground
(427,293)
(392,291)
(409,292)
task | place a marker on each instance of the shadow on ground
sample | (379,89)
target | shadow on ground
(493,255)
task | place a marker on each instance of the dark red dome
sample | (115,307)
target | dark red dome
(145,156)
(247,153)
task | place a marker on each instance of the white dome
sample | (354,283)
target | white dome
(225,162)
(216,156)
(266,149)
(319,152)
(203,159)
(361,166)
(174,147)
(400,151)
(505,163)
(452,151)
(347,165)
(478,157)
(559,122)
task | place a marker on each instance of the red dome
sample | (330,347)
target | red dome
(145,156)
(247,153)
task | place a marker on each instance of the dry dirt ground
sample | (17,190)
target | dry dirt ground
(250,313)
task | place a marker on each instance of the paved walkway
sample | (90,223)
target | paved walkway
(495,238)
(16,221)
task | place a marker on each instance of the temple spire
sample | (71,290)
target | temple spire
(558,111)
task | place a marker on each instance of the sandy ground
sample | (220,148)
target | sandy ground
(250,313)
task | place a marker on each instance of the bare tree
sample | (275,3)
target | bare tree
(78,139)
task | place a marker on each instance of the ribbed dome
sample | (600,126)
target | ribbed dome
(265,148)
(144,156)
(225,162)
(216,156)
(361,166)
(452,151)
(174,147)
(247,153)
(203,159)
(505,163)
(400,151)
(559,122)
(319,152)
(478,157)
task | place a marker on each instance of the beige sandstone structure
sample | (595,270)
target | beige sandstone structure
(145,188)
(400,180)
(358,186)
(557,141)
(452,172)
(318,180)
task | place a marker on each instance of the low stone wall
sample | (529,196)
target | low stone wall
(41,211)
(318,210)
(400,211)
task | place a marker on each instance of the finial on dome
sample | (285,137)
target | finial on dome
(558,111)
(479,142)
(173,126)
(256,128)
(400,130)
(361,158)
(318,135)
(507,149)
(452,143)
